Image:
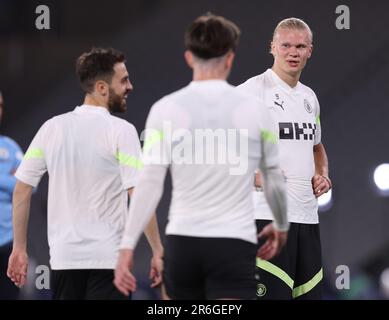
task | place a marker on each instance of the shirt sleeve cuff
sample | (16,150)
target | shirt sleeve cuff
(27,180)
(128,243)
(281,227)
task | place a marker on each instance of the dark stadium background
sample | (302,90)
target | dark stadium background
(348,71)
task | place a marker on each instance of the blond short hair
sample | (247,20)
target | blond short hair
(293,23)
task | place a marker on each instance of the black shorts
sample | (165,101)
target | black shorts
(85,284)
(296,273)
(209,268)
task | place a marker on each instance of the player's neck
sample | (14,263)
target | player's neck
(289,79)
(93,101)
(201,75)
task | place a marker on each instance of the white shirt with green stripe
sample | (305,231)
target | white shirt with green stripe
(296,113)
(210,197)
(92,159)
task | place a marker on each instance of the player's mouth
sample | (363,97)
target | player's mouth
(293,63)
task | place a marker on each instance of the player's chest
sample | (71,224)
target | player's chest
(294,114)
(287,106)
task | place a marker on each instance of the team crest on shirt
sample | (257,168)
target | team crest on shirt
(307,106)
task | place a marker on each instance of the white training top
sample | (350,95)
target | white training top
(210,135)
(92,160)
(296,112)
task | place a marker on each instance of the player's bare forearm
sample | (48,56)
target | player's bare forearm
(321,160)
(321,182)
(153,236)
(152,233)
(21,211)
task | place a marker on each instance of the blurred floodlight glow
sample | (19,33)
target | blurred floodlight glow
(381,177)
(325,201)
(384,283)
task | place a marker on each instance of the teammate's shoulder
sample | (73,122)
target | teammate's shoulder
(174,96)
(165,100)
(122,123)
(307,90)
(121,126)
(162,105)
(248,100)
(52,121)
(256,85)
(247,97)
(58,118)
(253,81)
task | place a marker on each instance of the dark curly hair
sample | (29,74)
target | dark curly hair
(97,64)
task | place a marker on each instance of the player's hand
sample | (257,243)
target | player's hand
(320,185)
(258,180)
(274,243)
(124,280)
(156,268)
(17,267)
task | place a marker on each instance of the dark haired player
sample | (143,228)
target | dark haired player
(92,159)
(211,237)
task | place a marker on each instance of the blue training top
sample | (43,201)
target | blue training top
(10,157)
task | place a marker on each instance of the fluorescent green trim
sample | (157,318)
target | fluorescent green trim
(269,136)
(308,286)
(274,270)
(129,161)
(318,120)
(152,139)
(34,153)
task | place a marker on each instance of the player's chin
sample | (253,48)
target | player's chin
(294,70)
(123,107)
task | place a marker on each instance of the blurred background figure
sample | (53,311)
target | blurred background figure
(10,157)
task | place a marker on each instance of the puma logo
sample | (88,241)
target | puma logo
(281,105)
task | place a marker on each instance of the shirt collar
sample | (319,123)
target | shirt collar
(91,109)
(216,83)
(274,76)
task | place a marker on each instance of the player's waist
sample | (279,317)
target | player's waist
(298,196)
(212,219)
(299,179)
(244,230)
(300,190)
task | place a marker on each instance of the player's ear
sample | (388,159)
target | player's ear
(189,58)
(310,51)
(230,59)
(101,87)
(272,48)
